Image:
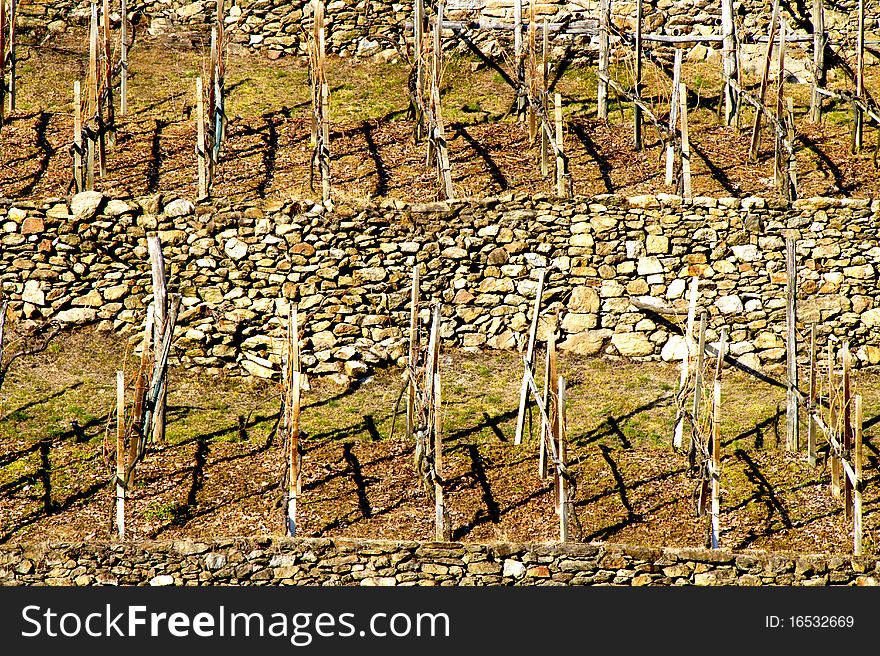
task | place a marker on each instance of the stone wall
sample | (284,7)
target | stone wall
(377,27)
(316,561)
(238,266)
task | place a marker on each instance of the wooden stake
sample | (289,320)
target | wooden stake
(518,60)
(637,110)
(123,48)
(442,150)
(545,164)
(160,303)
(791,398)
(779,173)
(561,485)
(418,56)
(765,75)
(413,354)
(602,89)
(440,532)
(549,430)
(685,143)
(677,438)
(201,146)
(92,109)
(673,116)
(325,131)
(561,189)
(530,359)
(847,427)
(77,137)
(2,59)
(812,428)
(860,78)
(698,386)
(857,465)
(292,410)
(107,85)
(120,454)
(13,59)
(818,61)
(729,54)
(716,444)
(834,423)
(532,74)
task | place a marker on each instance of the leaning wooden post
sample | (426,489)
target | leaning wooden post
(13,60)
(561,187)
(518,60)
(160,303)
(818,60)
(779,175)
(860,78)
(123,50)
(847,441)
(201,148)
(530,360)
(678,434)
(673,117)
(637,91)
(812,427)
(602,85)
(561,485)
(765,76)
(413,354)
(548,430)
(685,143)
(120,454)
(791,399)
(716,443)
(77,137)
(857,466)
(729,55)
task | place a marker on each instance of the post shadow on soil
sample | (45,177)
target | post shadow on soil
(373,151)
(183,513)
(718,174)
(498,178)
(154,164)
(357,475)
(46,152)
(758,430)
(611,426)
(827,164)
(590,146)
(765,492)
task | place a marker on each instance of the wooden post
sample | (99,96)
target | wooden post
(818,60)
(518,60)
(13,59)
(698,388)
(637,109)
(440,532)
(812,428)
(602,87)
(120,454)
(419,59)
(548,430)
(673,117)
(729,55)
(678,435)
(325,133)
(292,410)
(160,303)
(857,466)
(779,174)
(107,92)
(545,163)
(716,444)
(561,187)
(532,73)
(77,136)
(123,49)
(860,78)
(791,398)
(201,146)
(847,441)
(765,75)
(834,422)
(530,359)
(685,143)
(2,59)
(413,354)
(92,109)
(561,485)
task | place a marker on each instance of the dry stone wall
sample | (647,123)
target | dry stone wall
(238,266)
(274,561)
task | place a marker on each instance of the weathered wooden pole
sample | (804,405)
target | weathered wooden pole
(834,422)
(847,441)
(532,73)
(518,60)
(293,385)
(716,443)
(120,454)
(201,146)
(791,386)
(698,388)
(548,430)
(419,63)
(325,139)
(107,86)
(413,354)
(765,76)
(93,107)
(545,163)
(857,466)
(637,91)
(779,172)
(434,391)
(681,395)
(729,58)
(123,50)
(13,59)
(530,359)
(561,485)
(685,143)
(561,187)
(77,137)
(818,60)
(604,52)
(673,117)
(814,394)
(860,78)
(160,315)
(2,60)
